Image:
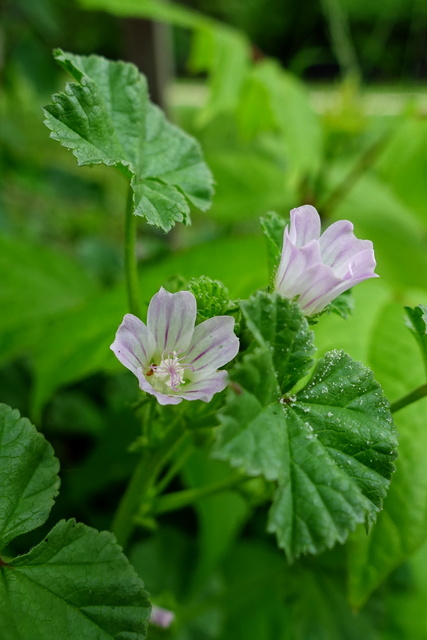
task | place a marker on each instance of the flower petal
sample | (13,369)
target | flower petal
(294,262)
(171,318)
(339,244)
(134,345)
(162,398)
(213,344)
(305,225)
(204,388)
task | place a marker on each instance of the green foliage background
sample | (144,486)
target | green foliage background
(270,146)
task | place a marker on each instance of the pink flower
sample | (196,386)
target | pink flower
(315,268)
(172,359)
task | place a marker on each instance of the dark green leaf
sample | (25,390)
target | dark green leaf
(106,117)
(330,448)
(28,476)
(279,324)
(75,584)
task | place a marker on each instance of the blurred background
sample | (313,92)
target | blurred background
(315,101)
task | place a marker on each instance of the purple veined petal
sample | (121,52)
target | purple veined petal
(295,261)
(213,344)
(316,283)
(305,225)
(339,244)
(362,265)
(323,300)
(171,318)
(204,388)
(161,398)
(134,345)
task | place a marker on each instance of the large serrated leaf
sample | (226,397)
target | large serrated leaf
(75,584)
(330,448)
(106,117)
(28,476)
(280,325)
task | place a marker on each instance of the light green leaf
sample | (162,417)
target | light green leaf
(28,476)
(416,321)
(170,12)
(75,584)
(279,324)
(402,524)
(37,285)
(330,448)
(106,117)
(287,106)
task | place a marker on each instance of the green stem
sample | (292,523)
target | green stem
(415,395)
(180,499)
(141,482)
(176,467)
(131,268)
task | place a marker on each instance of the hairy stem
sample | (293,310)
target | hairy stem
(142,481)
(131,270)
(415,395)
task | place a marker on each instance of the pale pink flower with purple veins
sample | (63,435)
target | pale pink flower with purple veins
(172,359)
(315,268)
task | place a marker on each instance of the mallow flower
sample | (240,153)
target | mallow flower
(173,359)
(315,268)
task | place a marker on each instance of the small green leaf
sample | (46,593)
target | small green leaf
(416,321)
(330,448)
(343,305)
(211,295)
(106,117)
(78,575)
(28,476)
(279,324)
(273,227)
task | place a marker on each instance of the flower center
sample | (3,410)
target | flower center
(169,374)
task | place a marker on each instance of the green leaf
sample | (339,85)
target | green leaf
(211,295)
(416,321)
(78,575)
(280,325)
(28,476)
(273,227)
(37,285)
(330,448)
(402,524)
(106,117)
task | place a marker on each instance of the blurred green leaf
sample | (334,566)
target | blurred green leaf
(287,105)
(220,516)
(37,285)
(402,525)
(416,321)
(398,236)
(106,118)
(28,476)
(402,164)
